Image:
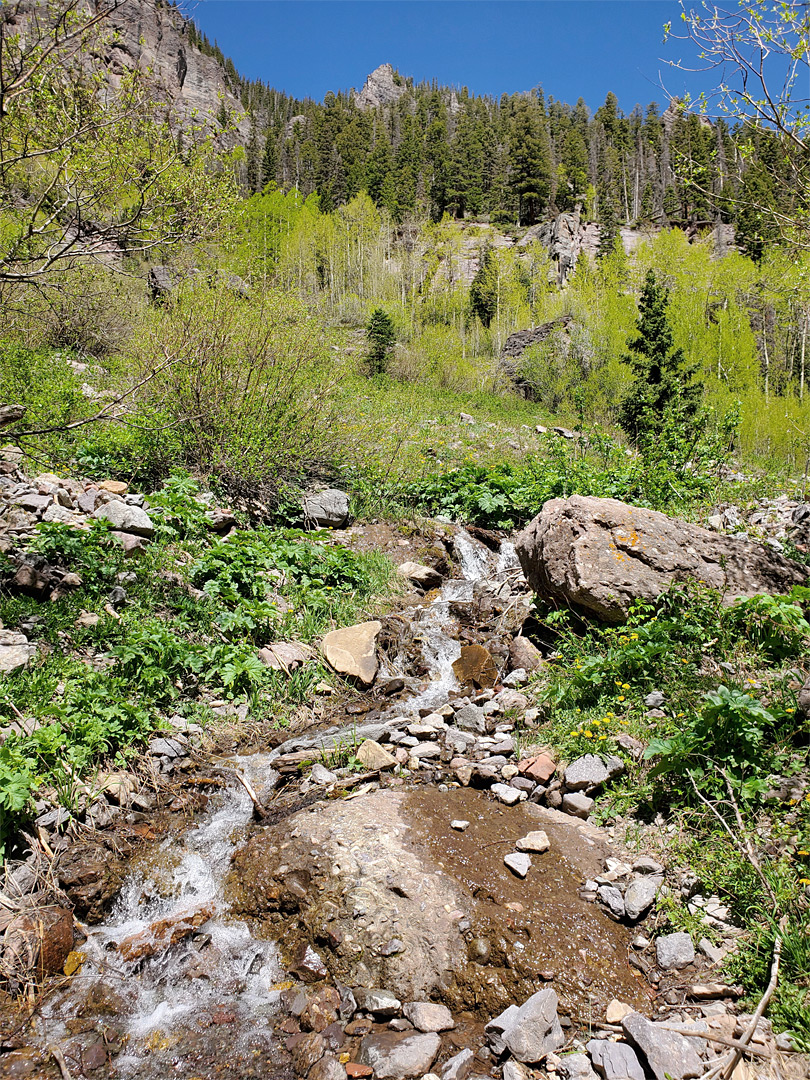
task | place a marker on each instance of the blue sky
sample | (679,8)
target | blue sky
(572,47)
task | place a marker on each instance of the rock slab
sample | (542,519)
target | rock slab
(669,1055)
(352,650)
(393,1056)
(601,555)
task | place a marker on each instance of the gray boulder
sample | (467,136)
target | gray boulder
(613,900)
(601,555)
(640,896)
(382,1004)
(459,1066)
(577,1067)
(327,509)
(615,1061)
(669,1056)
(394,1056)
(15,651)
(471,718)
(674,951)
(586,773)
(126,518)
(535,1031)
(427,1016)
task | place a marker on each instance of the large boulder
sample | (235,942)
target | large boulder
(352,650)
(601,555)
(328,509)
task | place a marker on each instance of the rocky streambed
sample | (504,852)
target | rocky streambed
(406,895)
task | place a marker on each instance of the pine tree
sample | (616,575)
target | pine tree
(664,383)
(381,339)
(530,160)
(609,225)
(483,289)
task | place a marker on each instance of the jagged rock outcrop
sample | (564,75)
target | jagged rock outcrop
(600,555)
(516,344)
(380,88)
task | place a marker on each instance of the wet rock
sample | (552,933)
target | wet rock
(534,1030)
(475,667)
(15,651)
(396,1057)
(125,518)
(615,1061)
(37,943)
(352,650)
(602,555)
(382,1004)
(357,1071)
(519,864)
(426,1016)
(305,1050)
(612,900)
(640,896)
(576,804)
(674,951)
(374,757)
(91,876)
(525,654)
(669,1056)
(308,965)
(327,509)
(423,576)
(163,933)
(539,768)
(534,842)
(328,1068)
(471,718)
(459,1066)
(505,793)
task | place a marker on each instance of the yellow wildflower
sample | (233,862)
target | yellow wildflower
(621,698)
(588,734)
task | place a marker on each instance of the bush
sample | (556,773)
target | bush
(247,384)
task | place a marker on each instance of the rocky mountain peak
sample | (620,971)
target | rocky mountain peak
(382,87)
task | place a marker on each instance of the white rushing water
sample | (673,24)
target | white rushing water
(174,997)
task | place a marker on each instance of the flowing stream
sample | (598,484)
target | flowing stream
(173,1008)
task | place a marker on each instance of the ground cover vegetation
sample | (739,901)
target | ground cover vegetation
(381,286)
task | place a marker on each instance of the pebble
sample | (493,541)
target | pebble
(535,842)
(459,825)
(518,863)
(506,794)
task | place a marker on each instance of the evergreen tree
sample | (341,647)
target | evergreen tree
(483,289)
(664,384)
(609,225)
(381,339)
(530,160)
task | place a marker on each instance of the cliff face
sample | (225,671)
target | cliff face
(155,36)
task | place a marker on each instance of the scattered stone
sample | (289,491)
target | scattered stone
(669,1056)
(459,1066)
(321,775)
(577,804)
(539,768)
(655,700)
(472,718)
(15,651)
(375,757)
(613,900)
(505,793)
(674,951)
(640,896)
(308,965)
(534,842)
(382,1004)
(475,667)
(426,1016)
(576,1067)
(615,1061)
(525,654)
(710,951)
(519,864)
(328,1068)
(396,1057)
(459,825)
(423,576)
(515,678)
(125,518)
(535,1030)
(646,865)
(327,509)
(513,1070)
(37,943)
(285,656)
(352,650)
(590,771)
(616,1011)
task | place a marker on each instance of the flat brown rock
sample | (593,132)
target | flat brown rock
(476,667)
(163,933)
(352,650)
